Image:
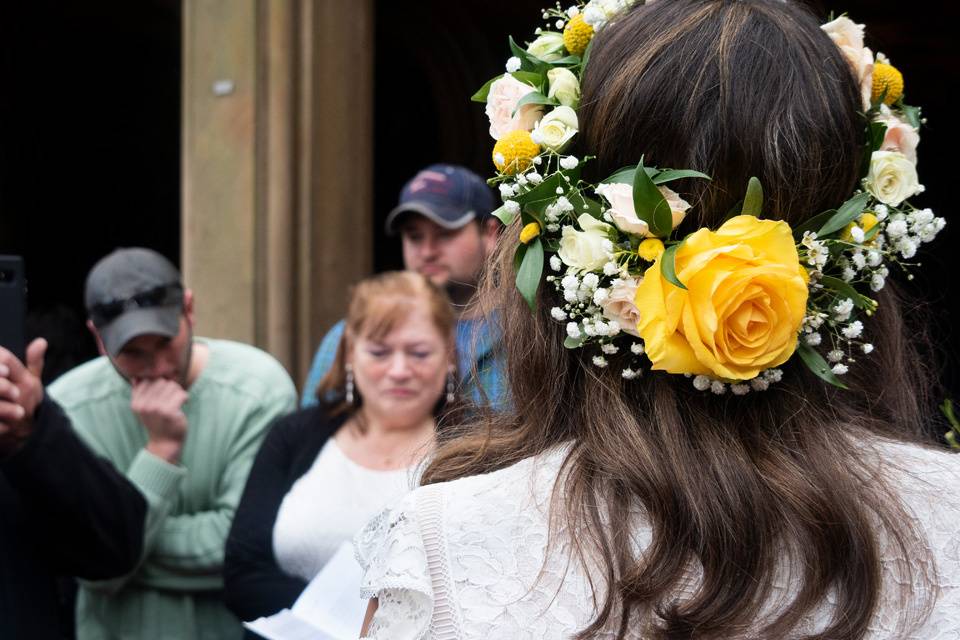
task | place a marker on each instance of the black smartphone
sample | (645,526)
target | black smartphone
(13,305)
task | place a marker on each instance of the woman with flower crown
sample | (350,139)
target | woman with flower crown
(719,408)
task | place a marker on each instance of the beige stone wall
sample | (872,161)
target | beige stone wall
(277,166)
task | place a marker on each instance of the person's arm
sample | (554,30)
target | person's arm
(322,362)
(64,487)
(254,585)
(61,484)
(186,552)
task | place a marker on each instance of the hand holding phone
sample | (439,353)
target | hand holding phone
(20,392)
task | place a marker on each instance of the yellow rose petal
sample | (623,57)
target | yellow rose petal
(529,232)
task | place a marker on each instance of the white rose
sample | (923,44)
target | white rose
(620,307)
(564,87)
(848,35)
(892,177)
(556,129)
(620,197)
(585,249)
(502,101)
(900,135)
(548,46)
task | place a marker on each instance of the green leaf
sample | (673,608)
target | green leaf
(481,94)
(534,97)
(528,62)
(814,223)
(504,215)
(530,78)
(650,205)
(530,272)
(546,190)
(518,257)
(912,115)
(847,213)
(818,365)
(753,201)
(877,131)
(573,343)
(846,290)
(668,266)
(586,56)
(625,175)
(566,61)
(675,174)
(581,202)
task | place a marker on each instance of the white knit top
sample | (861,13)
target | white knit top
(328,505)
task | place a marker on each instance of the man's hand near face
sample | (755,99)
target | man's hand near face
(20,393)
(158,403)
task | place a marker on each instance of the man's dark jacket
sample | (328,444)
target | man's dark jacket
(63,512)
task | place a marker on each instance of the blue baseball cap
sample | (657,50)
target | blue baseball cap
(447,194)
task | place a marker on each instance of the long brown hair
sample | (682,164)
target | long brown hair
(735,489)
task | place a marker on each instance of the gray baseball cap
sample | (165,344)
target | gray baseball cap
(133,292)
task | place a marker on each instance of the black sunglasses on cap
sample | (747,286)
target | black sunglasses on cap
(161,296)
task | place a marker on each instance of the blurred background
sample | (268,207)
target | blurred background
(260,144)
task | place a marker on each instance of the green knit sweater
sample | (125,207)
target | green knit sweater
(176,592)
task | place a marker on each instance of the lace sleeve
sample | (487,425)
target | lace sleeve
(391,552)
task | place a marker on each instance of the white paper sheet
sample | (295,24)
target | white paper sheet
(330,608)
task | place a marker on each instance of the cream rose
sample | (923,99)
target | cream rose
(502,101)
(556,129)
(619,305)
(548,46)
(900,135)
(564,87)
(586,250)
(892,177)
(620,197)
(848,35)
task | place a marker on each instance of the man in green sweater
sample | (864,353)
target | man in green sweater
(182,418)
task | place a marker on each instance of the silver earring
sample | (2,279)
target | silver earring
(450,387)
(348,391)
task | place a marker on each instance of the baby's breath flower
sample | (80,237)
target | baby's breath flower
(569,162)
(558,314)
(740,389)
(609,348)
(853,330)
(813,339)
(636,348)
(628,374)
(599,361)
(759,384)
(513,64)
(701,383)
(867,348)
(835,356)
(573,330)
(555,263)
(718,387)
(839,369)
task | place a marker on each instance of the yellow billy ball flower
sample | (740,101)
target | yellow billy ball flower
(577,35)
(529,232)
(866,222)
(650,249)
(886,78)
(515,152)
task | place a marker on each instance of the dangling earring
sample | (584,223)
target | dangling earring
(450,386)
(348,391)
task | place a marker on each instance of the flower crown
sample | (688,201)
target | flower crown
(725,307)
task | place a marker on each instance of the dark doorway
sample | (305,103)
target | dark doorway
(89,147)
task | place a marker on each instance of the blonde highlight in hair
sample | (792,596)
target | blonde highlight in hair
(734,489)
(377,306)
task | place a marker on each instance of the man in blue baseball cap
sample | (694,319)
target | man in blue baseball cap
(447,231)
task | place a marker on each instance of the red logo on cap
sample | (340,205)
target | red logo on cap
(432,181)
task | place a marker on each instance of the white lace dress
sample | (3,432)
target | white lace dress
(463,559)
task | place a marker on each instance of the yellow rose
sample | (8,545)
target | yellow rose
(742,308)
